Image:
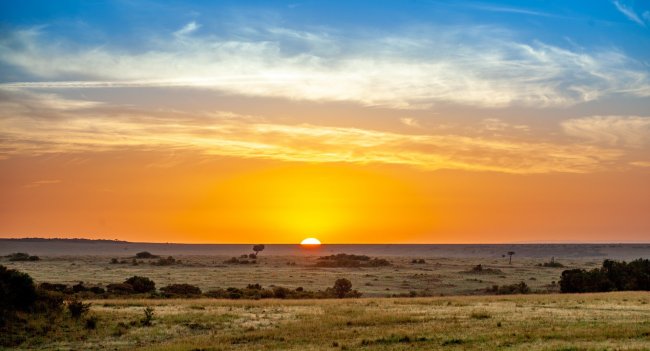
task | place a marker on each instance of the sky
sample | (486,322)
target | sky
(349,121)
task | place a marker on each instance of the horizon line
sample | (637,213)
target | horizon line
(361,243)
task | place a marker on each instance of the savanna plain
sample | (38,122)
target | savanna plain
(414,302)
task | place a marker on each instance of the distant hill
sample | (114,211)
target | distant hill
(64,240)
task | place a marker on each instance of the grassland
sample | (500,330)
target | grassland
(611,321)
(438,276)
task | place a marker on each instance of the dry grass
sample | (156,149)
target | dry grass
(618,321)
(446,276)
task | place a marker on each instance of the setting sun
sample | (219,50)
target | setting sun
(310,242)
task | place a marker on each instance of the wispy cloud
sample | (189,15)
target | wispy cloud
(187,29)
(411,122)
(410,70)
(226,134)
(628,12)
(628,131)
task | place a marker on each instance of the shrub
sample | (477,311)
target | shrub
(120,288)
(612,276)
(114,261)
(77,308)
(418,261)
(185,290)
(22,256)
(79,287)
(479,269)
(145,255)
(141,284)
(97,290)
(17,291)
(341,287)
(519,288)
(62,288)
(148,316)
(280,292)
(91,323)
(166,261)
(345,260)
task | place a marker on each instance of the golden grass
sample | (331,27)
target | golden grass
(610,321)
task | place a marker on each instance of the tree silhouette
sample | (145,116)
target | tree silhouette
(510,253)
(258,248)
(342,287)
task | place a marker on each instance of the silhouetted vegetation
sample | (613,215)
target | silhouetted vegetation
(77,308)
(257,249)
(552,264)
(149,312)
(479,269)
(346,260)
(519,288)
(181,290)
(141,284)
(166,261)
(22,256)
(418,261)
(612,276)
(243,260)
(145,255)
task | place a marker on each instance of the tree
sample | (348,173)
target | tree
(258,248)
(17,290)
(510,253)
(342,287)
(141,284)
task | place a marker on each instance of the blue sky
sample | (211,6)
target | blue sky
(533,90)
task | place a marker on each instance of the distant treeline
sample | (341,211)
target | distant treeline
(612,276)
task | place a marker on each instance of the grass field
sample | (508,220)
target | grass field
(610,321)
(446,276)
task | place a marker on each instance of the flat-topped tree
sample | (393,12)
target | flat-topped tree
(510,253)
(257,248)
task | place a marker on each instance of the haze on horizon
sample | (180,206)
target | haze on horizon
(350,122)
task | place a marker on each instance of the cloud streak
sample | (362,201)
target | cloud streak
(410,70)
(626,131)
(226,134)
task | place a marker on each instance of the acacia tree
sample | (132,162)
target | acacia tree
(510,253)
(258,248)
(342,287)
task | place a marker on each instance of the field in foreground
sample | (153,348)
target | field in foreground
(608,321)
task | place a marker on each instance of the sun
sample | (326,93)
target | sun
(310,242)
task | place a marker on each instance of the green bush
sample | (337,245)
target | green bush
(612,276)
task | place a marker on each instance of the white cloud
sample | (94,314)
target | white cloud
(411,70)
(104,128)
(628,131)
(411,122)
(628,12)
(187,29)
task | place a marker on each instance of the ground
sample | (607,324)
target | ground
(606,321)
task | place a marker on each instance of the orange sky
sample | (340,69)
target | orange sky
(130,196)
(270,122)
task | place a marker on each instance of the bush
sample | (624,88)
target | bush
(79,287)
(185,290)
(342,287)
(120,288)
(351,261)
(21,256)
(479,269)
(77,308)
(519,288)
(97,290)
(141,284)
(145,255)
(148,316)
(612,276)
(17,290)
(418,261)
(62,288)
(91,323)
(166,261)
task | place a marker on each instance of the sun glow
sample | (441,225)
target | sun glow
(310,242)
